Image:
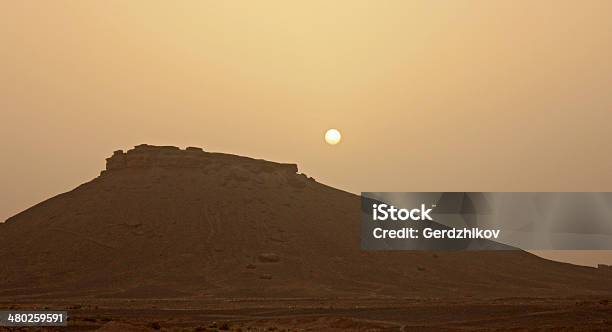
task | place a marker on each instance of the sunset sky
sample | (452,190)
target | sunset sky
(428,95)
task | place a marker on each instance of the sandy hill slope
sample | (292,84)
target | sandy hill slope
(162,222)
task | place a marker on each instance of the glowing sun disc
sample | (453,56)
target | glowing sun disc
(333,137)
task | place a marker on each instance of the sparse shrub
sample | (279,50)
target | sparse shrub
(224,326)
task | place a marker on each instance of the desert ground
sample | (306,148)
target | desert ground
(469,314)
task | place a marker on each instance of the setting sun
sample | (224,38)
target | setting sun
(333,137)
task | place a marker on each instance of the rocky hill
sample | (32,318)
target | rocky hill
(161,222)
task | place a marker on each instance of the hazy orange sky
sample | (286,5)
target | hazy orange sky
(429,95)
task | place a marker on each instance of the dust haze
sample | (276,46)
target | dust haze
(429,96)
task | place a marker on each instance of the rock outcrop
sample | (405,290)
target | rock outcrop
(147,156)
(232,168)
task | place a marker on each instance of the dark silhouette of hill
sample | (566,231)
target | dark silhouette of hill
(161,222)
